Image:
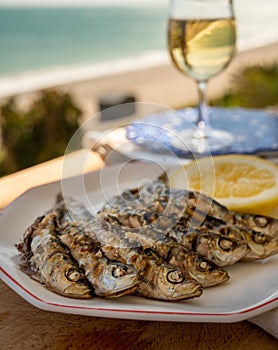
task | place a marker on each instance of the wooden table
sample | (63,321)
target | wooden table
(22,326)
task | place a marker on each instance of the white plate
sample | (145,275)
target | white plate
(252,289)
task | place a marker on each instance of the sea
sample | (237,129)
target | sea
(45,46)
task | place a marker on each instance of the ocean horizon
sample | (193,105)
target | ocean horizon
(47,46)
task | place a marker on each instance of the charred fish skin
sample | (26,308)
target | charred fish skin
(149,266)
(260,223)
(163,281)
(115,246)
(259,232)
(192,263)
(159,279)
(110,279)
(129,226)
(187,201)
(203,270)
(168,210)
(68,210)
(46,260)
(203,213)
(128,198)
(221,250)
(260,245)
(148,201)
(194,209)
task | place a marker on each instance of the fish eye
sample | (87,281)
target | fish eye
(73,275)
(175,277)
(119,271)
(225,244)
(261,221)
(259,238)
(203,266)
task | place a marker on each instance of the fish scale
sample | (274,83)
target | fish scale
(108,278)
(46,260)
(163,240)
(204,271)
(202,216)
(149,265)
(116,236)
(153,230)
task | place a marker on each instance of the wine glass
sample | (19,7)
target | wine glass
(201,41)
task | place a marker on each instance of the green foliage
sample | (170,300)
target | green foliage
(38,134)
(254,87)
(44,130)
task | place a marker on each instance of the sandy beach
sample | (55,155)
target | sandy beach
(161,84)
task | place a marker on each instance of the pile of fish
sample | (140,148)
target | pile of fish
(155,241)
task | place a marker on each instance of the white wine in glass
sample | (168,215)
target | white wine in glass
(201,41)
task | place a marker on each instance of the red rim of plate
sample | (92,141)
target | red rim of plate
(35,297)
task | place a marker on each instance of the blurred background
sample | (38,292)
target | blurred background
(58,59)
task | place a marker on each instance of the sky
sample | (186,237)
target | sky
(79,2)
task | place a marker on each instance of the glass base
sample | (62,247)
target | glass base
(203,140)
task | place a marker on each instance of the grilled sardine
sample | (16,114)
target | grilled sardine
(46,260)
(109,278)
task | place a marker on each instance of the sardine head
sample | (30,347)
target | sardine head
(260,223)
(219,249)
(173,284)
(115,279)
(204,271)
(261,245)
(70,282)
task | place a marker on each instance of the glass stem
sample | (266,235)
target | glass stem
(203,118)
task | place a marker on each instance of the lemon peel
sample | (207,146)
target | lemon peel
(242,183)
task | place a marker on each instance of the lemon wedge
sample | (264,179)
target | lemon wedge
(240,182)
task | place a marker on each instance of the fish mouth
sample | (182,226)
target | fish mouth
(214,279)
(224,276)
(230,259)
(193,290)
(120,292)
(197,291)
(189,294)
(80,292)
(194,293)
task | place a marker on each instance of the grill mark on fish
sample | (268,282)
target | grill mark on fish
(190,262)
(148,264)
(202,213)
(161,241)
(154,229)
(45,259)
(260,245)
(109,278)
